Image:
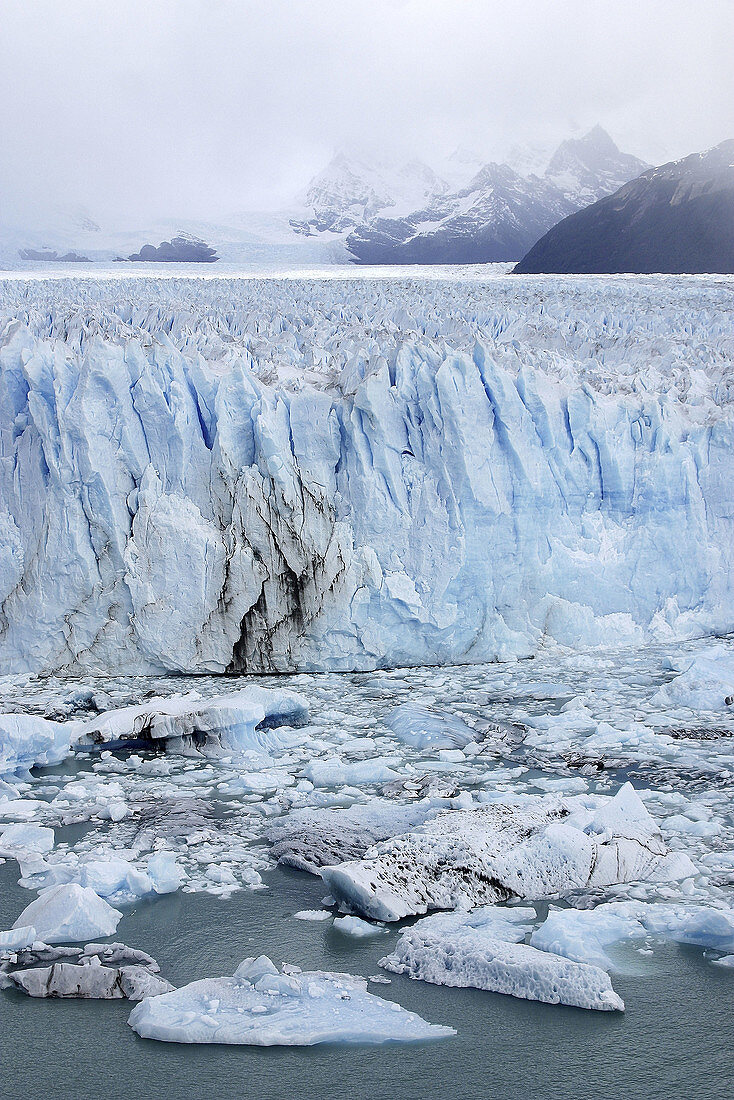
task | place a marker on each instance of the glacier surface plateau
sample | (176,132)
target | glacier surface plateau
(338,474)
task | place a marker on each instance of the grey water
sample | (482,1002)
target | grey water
(674,1040)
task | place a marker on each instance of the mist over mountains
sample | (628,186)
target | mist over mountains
(367,209)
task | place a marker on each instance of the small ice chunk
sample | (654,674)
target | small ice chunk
(21,837)
(312,914)
(706,684)
(164,872)
(101,971)
(421,728)
(355,926)
(27,740)
(238,721)
(15,939)
(585,934)
(114,877)
(335,772)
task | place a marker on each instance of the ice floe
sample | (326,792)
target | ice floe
(98,971)
(236,721)
(355,926)
(587,934)
(261,1006)
(26,740)
(707,683)
(523,847)
(481,950)
(422,728)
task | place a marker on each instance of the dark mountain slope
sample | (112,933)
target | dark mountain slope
(677,219)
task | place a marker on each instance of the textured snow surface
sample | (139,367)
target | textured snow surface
(310,839)
(523,848)
(481,950)
(201,475)
(260,1006)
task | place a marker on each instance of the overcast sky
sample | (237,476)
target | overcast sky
(201,107)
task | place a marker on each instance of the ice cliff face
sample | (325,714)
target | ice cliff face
(336,474)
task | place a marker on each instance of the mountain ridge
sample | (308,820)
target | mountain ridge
(675,219)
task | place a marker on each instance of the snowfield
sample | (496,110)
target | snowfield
(201,475)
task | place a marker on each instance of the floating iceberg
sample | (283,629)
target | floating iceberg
(706,684)
(99,971)
(15,939)
(259,1006)
(238,721)
(585,935)
(69,913)
(110,876)
(355,926)
(527,847)
(421,728)
(26,740)
(23,839)
(480,950)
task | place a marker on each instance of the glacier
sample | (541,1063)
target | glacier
(278,475)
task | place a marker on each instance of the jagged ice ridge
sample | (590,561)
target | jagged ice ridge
(338,474)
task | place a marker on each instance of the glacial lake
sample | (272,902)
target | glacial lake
(673,1040)
(677,1027)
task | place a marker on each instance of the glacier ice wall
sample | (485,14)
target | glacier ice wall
(212,475)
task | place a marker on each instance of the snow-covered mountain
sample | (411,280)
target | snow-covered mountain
(587,168)
(201,475)
(678,218)
(502,212)
(245,238)
(352,190)
(365,207)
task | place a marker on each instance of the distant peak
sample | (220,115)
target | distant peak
(598,135)
(596,139)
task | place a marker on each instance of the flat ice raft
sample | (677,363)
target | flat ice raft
(530,847)
(259,1006)
(478,950)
